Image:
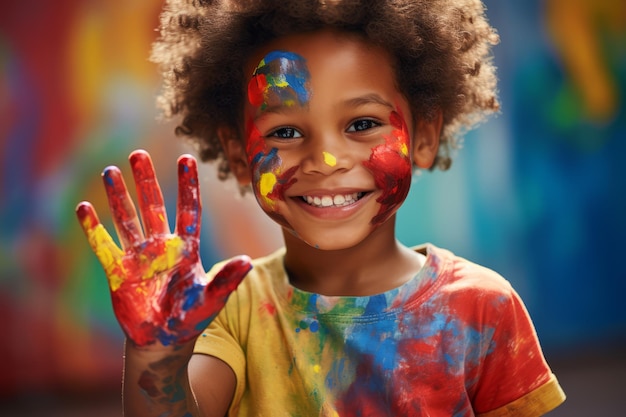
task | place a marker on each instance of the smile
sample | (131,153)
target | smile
(338,200)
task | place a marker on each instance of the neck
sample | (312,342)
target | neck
(377,264)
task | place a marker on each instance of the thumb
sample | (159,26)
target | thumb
(229,277)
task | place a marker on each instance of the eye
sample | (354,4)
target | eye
(285,133)
(362,124)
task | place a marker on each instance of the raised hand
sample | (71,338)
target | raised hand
(158,286)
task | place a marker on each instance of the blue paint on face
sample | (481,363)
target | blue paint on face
(286,76)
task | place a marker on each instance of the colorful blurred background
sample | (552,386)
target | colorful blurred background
(538,193)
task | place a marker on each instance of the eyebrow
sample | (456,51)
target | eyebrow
(279,109)
(359,101)
(366,99)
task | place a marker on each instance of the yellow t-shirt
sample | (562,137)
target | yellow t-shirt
(456,340)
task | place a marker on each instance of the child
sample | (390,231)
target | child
(323,108)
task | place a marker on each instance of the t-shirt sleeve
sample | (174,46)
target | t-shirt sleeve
(221,339)
(515,379)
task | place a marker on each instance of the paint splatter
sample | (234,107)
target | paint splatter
(385,354)
(391,166)
(268,180)
(329,159)
(280,79)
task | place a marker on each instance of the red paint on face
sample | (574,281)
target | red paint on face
(390,165)
(255,145)
(256,89)
(263,160)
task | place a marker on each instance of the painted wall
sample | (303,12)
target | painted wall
(537,193)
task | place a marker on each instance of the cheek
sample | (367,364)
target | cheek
(270,179)
(390,165)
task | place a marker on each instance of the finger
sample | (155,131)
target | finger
(102,244)
(228,278)
(122,208)
(150,198)
(188,214)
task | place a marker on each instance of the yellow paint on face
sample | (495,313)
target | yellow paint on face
(329,159)
(317,369)
(280,81)
(404,150)
(266,185)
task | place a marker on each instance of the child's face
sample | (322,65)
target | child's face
(328,137)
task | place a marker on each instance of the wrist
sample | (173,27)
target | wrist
(157,350)
(156,379)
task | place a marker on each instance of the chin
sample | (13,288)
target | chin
(333,242)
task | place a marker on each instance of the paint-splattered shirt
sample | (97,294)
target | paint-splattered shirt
(455,340)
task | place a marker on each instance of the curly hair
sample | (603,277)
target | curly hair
(441,48)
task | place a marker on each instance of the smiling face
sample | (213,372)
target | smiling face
(327,140)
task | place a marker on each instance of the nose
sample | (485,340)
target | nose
(326,155)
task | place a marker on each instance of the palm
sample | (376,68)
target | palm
(158,286)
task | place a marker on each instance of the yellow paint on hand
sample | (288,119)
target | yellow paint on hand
(110,255)
(329,159)
(317,369)
(107,253)
(173,253)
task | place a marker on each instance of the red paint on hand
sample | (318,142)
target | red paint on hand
(159,289)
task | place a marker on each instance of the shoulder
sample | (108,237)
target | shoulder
(458,273)
(470,289)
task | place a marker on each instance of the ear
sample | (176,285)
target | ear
(426,140)
(235,154)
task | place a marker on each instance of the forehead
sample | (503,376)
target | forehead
(324,50)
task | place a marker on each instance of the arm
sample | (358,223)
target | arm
(515,378)
(173,380)
(160,293)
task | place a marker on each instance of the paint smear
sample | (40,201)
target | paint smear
(280,79)
(158,285)
(269,181)
(329,159)
(391,167)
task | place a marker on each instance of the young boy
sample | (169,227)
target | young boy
(323,108)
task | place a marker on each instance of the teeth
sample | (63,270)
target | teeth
(338,200)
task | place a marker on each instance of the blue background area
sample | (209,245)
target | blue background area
(538,193)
